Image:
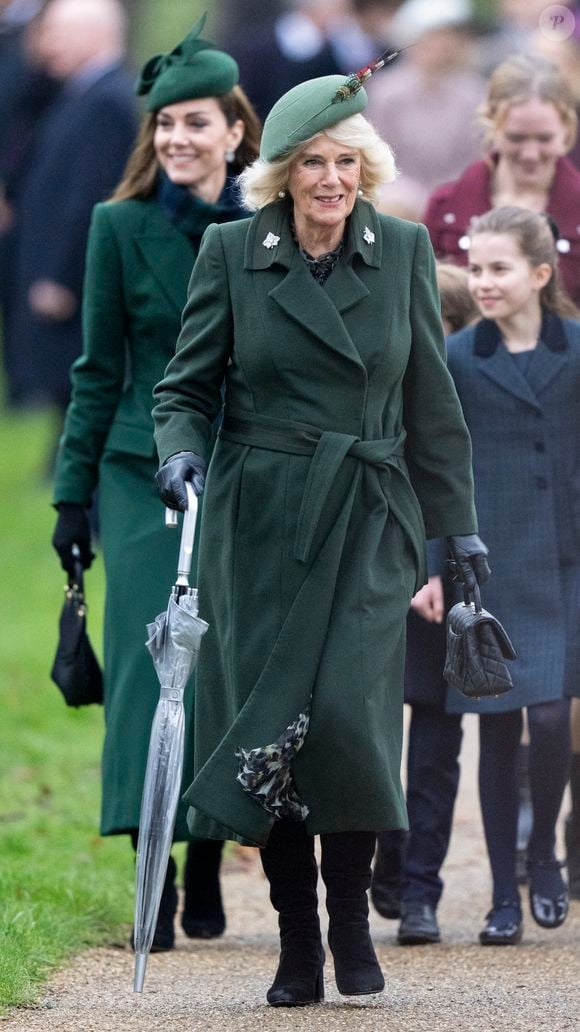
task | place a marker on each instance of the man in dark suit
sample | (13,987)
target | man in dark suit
(279,53)
(25,95)
(79,151)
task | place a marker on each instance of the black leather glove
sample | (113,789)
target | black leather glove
(72,528)
(469,555)
(171,478)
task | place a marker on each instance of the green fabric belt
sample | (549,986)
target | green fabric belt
(328,450)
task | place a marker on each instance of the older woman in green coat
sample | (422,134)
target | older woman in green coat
(199,131)
(342,445)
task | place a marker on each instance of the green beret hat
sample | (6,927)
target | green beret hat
(309,108)
(195,68)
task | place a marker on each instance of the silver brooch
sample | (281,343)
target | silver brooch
(270,241)
(368,236)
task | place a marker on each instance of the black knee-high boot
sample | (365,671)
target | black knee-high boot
(290,867)
(346,871)
(203,913)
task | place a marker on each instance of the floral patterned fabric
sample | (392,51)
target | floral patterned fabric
(265,772)
(322,267)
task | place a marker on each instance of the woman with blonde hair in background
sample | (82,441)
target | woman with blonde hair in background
(530,124)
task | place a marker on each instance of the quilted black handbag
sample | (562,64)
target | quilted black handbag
(75,669)
(477,650)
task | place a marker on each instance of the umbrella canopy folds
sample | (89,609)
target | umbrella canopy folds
(174,642)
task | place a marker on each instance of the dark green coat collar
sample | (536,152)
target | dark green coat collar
(168,253)
(318,310)
(275,221)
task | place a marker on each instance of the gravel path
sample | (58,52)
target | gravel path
(453,987)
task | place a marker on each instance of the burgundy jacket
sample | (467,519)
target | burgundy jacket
(452,205)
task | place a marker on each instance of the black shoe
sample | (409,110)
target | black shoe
(164,937)
(549,900)
(203,913)
(386,881)
(356,967)
(504,925)
(299,979)
(572,839)
(418,925)
(203,927)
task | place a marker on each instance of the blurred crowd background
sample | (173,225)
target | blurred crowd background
(68,115)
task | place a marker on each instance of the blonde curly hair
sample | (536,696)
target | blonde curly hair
(262,181)
(522,78)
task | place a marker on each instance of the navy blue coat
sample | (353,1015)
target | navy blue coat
(79,153)
(25,96)
(526,462)
(266,73)
(427,642)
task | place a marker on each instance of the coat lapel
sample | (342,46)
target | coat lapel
(549,358)
(168,254)
(551,355)
(501,368)
(318,310)
(309,305)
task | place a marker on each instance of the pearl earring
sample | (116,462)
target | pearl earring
(360,191)
(230,155)
(281,194)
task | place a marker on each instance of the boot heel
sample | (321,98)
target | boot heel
(292,989)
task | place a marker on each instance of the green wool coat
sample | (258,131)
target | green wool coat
(138,268)
(342,442)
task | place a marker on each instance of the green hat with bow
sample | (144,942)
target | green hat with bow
(313,106)
(195,68)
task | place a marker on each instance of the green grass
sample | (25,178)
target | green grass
(61,886)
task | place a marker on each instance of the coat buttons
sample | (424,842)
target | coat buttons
(563,246)
(542,483)
(449,218)
(463,243)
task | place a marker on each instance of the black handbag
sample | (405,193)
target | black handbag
(477,650)
(75,669)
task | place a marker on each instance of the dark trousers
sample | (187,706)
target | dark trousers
(432,783)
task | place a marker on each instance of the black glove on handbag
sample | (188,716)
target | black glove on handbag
(174,473)
(469,559)
(72,528)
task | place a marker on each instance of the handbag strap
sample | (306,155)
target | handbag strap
(76,578)
(473,596)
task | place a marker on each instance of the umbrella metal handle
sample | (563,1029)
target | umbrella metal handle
(187,537)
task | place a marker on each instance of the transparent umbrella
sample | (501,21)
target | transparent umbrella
(174,642)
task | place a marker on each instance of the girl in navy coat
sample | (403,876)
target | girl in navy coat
(517,372)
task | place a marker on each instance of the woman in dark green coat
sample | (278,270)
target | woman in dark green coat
(342,443)
(199,131)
